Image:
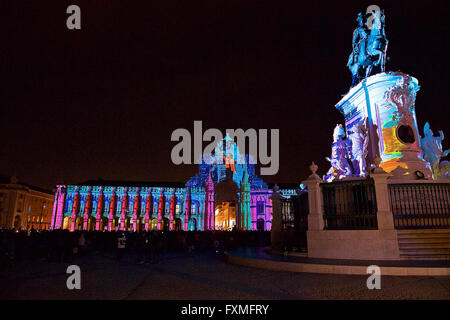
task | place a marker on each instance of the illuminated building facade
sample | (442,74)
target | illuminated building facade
(23,206)
(109,205)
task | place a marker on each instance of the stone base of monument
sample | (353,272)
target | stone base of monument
(385,102)
(261,258)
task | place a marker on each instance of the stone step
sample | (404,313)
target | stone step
(438,245)
(423,235)
(424,240)
(425,251)
(425,257)
(427,244)
(423,231)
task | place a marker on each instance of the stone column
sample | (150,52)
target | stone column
(123,213)
(384,214)
(135,209)
(209,203)
(61,206)
(160,209)
(315,215)
(172,209)
(246,223)
(99,214)
(87,207)
(74,210)
(187,209)
(55,205)
(112,207)
(276,232)
(148,206)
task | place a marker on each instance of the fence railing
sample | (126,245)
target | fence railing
(349,205)
(420,205)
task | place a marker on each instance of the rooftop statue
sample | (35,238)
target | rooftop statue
(369,45)
(432,151)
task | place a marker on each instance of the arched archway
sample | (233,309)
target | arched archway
(91,223)
(154,224)
(178,224)
(260,224)
(67,223)
(226,209)
(165,224)
(79,223)
(115,223)
(17,222)
(140,224)
(103,223)
(192,224)
(128,224)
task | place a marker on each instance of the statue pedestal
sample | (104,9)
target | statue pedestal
(387,101)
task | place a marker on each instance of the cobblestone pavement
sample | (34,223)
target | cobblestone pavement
(201,276)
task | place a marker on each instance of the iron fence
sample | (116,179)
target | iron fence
(420,205)
(349,205)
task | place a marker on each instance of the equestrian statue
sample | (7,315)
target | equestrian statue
(369,45)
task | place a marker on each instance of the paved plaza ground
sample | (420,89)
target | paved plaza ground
(200,276)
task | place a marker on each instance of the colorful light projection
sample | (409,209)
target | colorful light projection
(191,207)
(380,120)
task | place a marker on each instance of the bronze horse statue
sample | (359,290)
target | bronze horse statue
(369,47)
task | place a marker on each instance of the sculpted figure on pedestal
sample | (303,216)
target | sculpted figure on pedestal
(432,151)
(360,145)
(340,155)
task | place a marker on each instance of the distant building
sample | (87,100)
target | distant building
(219,197)
(23,206)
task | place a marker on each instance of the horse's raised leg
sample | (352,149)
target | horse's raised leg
(383,62)
(368,70)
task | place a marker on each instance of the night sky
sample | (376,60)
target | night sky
(102,102)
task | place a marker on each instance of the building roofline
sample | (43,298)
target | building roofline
(116,183)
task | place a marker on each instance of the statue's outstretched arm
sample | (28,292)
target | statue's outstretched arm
(441,134)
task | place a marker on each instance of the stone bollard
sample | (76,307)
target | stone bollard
(315,215)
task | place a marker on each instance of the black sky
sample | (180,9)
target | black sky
(103,101)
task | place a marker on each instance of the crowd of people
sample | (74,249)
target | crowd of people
(146,247)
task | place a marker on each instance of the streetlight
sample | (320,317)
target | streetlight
(42,212)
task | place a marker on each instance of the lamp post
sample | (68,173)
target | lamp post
(28,217)
(42,212)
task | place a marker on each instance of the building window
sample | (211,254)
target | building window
(82,204)
(106,207)
(69,205)
(166,209)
